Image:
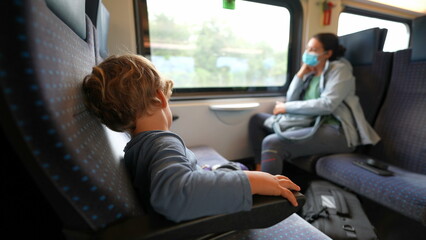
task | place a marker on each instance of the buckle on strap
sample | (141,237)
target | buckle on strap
(349,228)
(350,231)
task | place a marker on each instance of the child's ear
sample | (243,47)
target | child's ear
(163,98)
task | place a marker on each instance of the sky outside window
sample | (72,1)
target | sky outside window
(397,38)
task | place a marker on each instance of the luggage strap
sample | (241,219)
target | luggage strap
(350,231)
(315,216)
(342,208)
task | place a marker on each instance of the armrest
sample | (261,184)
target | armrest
(266,211)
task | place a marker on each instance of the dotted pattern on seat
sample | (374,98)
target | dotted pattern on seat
(207,156)
(400,124)
(371,67)
(294,227)
(40,77)
(372,82)
(401,120)
(405,192)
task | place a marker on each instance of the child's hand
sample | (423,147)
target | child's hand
(266,184)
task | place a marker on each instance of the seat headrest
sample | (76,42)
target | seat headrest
(102,27)
(418,39)
(72,13)
(99,15)
(361,46)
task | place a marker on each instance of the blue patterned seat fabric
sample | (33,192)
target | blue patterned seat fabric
(371,67)
(40,77)
(405,192)
(209,159)
(401,125)
(293,227)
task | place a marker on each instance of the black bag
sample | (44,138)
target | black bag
(336,212)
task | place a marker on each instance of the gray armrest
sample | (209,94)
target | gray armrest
(266,211)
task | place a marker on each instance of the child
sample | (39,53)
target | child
(128,94)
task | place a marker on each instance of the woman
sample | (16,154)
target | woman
(324,86)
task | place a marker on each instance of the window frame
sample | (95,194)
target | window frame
(367,13)
(296,19)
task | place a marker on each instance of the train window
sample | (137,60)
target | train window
(205,47)
(398,35)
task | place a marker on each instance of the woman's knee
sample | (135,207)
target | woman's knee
(272,142)
(257,120)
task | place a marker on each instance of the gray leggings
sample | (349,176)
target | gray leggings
(328,139)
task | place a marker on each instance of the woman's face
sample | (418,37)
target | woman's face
(316,47)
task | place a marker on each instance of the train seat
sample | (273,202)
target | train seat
(48,49)
(371,68)
(293,227)
(208,158)
(418,39)
(100,17)
(400,123)
(63,147)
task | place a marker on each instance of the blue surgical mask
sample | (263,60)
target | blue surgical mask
(311,59)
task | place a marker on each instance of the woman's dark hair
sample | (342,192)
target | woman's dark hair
(331,42)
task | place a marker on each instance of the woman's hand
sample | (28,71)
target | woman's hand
(305,69)
(263,183)
(279,108)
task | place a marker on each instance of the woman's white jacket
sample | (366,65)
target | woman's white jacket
(337,97)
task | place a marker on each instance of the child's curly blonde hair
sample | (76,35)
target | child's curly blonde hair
(123,88)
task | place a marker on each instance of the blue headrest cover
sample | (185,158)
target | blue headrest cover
(72,13)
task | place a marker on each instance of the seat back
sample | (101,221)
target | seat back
(371,67)
(401,120)
(99,16)
(48,49)
(418,39)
